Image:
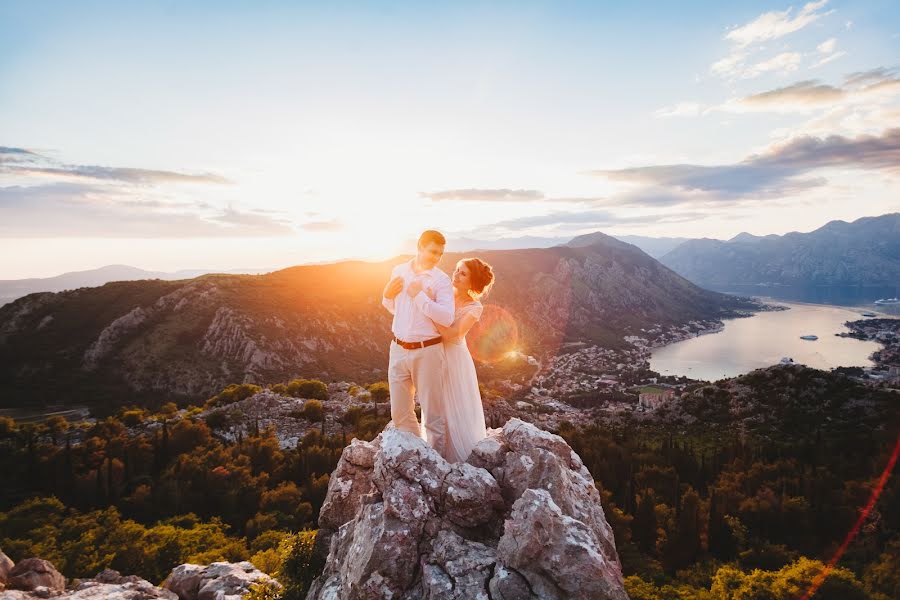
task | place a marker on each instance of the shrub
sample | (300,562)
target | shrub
(313,411)
(380,391)
(308,388)
(216,419)
(133,418)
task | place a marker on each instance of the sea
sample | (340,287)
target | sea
(768,337)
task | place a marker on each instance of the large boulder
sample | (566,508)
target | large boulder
(6,565)
(217,581)
(520,520)
(32,573)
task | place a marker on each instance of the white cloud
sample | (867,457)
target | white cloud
(773,25)
(827,47)
(730,65)
(869,90)
(783,63)
(747,40)
(682,109)
(828,59)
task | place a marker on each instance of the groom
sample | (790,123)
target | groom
(417,355)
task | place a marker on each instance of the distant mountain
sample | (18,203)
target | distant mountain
(653,246)
(10,289)
(864,252)
(143,341)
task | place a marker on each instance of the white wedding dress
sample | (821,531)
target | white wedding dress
(465,415)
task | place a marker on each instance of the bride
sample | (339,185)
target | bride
(462,399)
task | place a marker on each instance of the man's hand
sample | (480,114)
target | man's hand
(393,287)
(414,288)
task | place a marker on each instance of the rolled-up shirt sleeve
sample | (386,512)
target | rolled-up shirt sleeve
(390,303)
(439,310)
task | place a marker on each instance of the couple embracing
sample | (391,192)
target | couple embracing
(429,358)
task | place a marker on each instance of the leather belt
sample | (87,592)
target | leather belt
(417,345)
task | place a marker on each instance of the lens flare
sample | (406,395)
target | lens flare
(495,336)
(863,515)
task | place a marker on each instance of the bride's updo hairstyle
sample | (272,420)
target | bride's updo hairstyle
(481,277)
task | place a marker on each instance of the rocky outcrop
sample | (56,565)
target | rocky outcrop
(218,581)
(37,578)
(6,565)
(107,585)
(520,520)
(33,573)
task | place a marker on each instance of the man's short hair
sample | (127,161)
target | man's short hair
(431,236)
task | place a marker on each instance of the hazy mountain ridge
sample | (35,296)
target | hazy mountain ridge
(193,337)
(654,246)
(11,289)
(864,252)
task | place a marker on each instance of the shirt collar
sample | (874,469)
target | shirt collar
(412,268)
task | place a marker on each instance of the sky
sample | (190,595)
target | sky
(228,135)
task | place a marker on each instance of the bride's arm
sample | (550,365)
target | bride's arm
(458,329)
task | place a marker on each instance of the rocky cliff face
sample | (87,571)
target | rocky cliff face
(520,520)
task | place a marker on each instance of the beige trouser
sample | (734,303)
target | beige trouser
(420,370)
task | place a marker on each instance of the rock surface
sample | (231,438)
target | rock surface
(217,581)
(108,585)
(521,520)
(32,573)
(6,565)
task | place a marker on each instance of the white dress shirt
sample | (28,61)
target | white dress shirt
(414,318)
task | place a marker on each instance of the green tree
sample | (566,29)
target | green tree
(380,391)
(882,577)
(683,547)
(644,526)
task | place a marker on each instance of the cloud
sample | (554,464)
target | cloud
(827,59)
(748,39)
(323,226)
(803,92)
(872,76)
(122,174)
(682,109)
(730,65)
(577,221)
(867,152)
(44,197)
(866,88)
(23,162)
(484,195)
(827,47)
(67,209)
(779,172)
(509,195)
(776,24)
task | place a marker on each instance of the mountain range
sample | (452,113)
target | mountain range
(865,252)
(10,289)
(151,340)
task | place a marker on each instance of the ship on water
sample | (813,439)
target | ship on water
(809,337)
(883,301)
